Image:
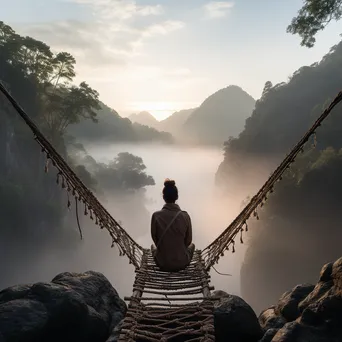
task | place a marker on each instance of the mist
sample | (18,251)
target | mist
(194,170)
(211,210)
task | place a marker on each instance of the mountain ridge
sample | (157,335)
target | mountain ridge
(221,115)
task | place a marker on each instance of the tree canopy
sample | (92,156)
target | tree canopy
(124,172)
(300,225)
(33,211)
(313,17)
(60,103)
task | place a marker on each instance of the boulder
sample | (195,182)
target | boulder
(269,334)
(326,272)
(114,337)
(337,275)
(296,332)
(98,293)
(289,301)
(73,307)
(327,313)
(234,319)
(23,320)
(269,319)
(318,293)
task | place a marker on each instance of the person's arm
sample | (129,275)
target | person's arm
(154,229)
(188,236)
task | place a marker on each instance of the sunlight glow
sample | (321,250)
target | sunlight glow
(160,110)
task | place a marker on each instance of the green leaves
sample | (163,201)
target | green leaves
(63,68)
(313,17)
(60,102)
(125,172)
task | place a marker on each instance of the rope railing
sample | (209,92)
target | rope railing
(67,178)
(170,306)
(212,253)
(126,245)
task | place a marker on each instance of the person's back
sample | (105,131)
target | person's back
(171,232)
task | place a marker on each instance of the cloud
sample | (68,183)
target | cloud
(120,9)
(218,9)
(116,34)
(162,28)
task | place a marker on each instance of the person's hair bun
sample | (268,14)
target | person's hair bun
(169,183)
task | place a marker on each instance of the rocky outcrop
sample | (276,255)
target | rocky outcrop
(269,319)
(288,303)
(85,307)
(234,319)
(73,307)
(308,312)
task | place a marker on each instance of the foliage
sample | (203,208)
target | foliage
(313,17)
(32,207)
(299,230)
(300,225)
(286,110)
(126,172)
(112,127)
(41,81)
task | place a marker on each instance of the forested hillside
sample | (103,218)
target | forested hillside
(144,118)
(174,123)
(33,213)
(220,116)
(300,226)
(111,127)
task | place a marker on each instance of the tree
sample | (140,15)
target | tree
(86,177)
(125,172)
(35,58)
(69,105)
(128,161)
(313,17)
(40,81)
(302,216)
(267,87)
(8,42)
(63,68)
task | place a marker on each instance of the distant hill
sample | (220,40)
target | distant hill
(145,118)
(220,116)
(112,127)
(300,227)
(172,124)
(175,122)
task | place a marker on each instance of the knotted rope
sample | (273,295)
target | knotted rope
(67,178)
(212,253)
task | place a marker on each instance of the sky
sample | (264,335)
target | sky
(165,55)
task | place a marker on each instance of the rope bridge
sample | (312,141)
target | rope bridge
(181,305)
(68,180)
(176,306)
(216,249)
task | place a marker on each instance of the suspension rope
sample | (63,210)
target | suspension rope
(126,245)
(212,253)
(69,181)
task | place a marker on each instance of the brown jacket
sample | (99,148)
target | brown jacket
(172,244)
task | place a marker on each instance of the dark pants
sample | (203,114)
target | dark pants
(191,250)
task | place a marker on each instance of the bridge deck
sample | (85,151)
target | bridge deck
(169,306)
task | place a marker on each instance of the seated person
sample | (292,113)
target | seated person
(171,232)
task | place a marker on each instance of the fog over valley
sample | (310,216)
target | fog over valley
(112,110)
